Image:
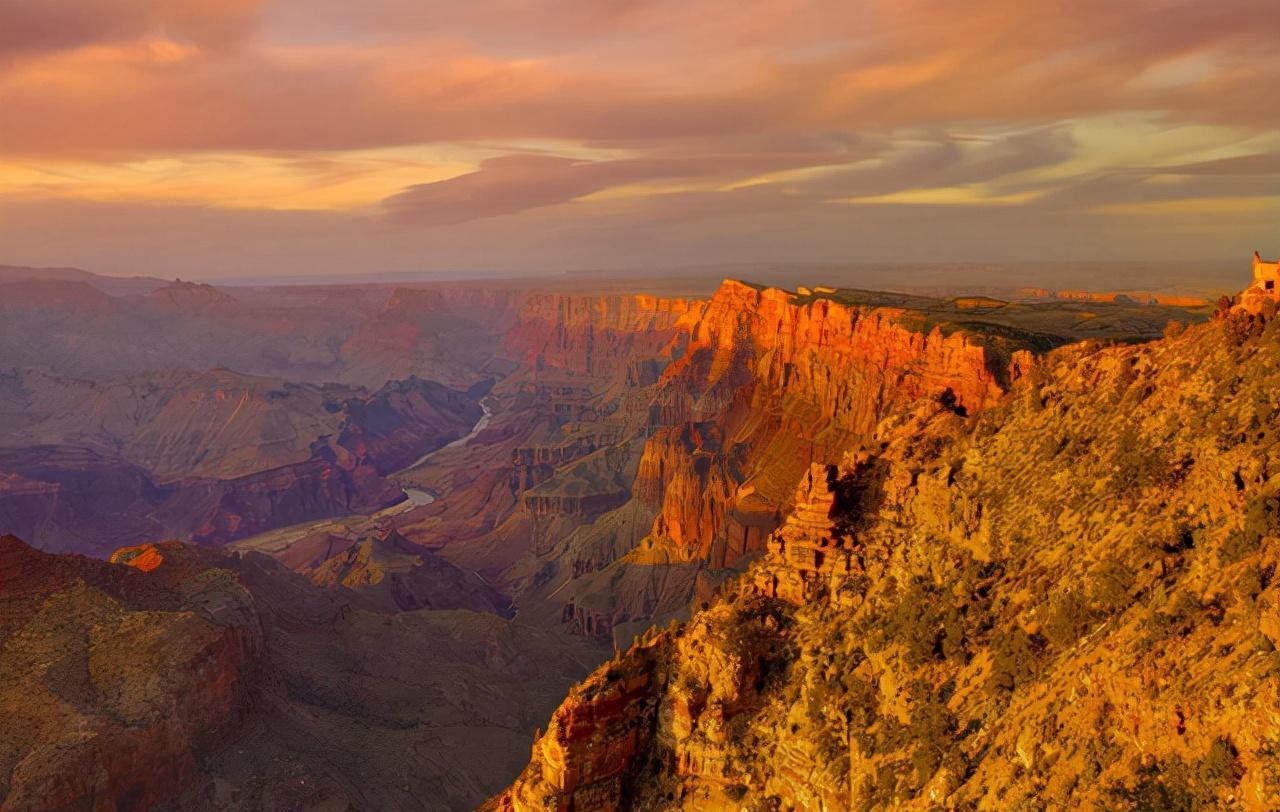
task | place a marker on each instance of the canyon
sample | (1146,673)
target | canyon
(404,521)
(93,465)
(639,406)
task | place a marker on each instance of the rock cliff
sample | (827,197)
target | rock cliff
(777,384)
(761,383)
(1062,601)
(613,336)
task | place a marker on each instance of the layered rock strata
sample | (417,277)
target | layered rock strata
(1064,601)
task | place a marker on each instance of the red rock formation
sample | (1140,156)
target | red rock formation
(593,737)
(761,384)
(606,336)
(773,385)
(974,608)
(805,554)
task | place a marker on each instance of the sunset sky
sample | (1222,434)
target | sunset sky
(249,138)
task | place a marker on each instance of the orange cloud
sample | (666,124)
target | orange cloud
(788,67)
(622,112)
(41,26)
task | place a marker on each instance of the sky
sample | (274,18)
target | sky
(249,138)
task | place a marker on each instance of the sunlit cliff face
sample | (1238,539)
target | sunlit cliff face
(297,135)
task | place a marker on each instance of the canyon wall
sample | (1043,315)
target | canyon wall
(565,435)
(610,336)
(775,385)
(447,333)
(1066,600)
(760,385)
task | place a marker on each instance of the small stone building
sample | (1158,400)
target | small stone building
(1266,276)
(1265,286)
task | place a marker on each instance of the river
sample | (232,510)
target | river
(476,429)
(278,540)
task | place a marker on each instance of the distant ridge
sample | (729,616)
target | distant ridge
(111,285)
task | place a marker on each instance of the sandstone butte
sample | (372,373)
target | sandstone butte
(1064,599)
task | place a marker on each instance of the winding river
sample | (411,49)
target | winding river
(274,541)
(416,497)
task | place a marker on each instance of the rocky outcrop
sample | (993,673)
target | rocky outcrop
(808,555)
(184,678)
(393,573)
(657,712)
(592,740)
(114,683)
